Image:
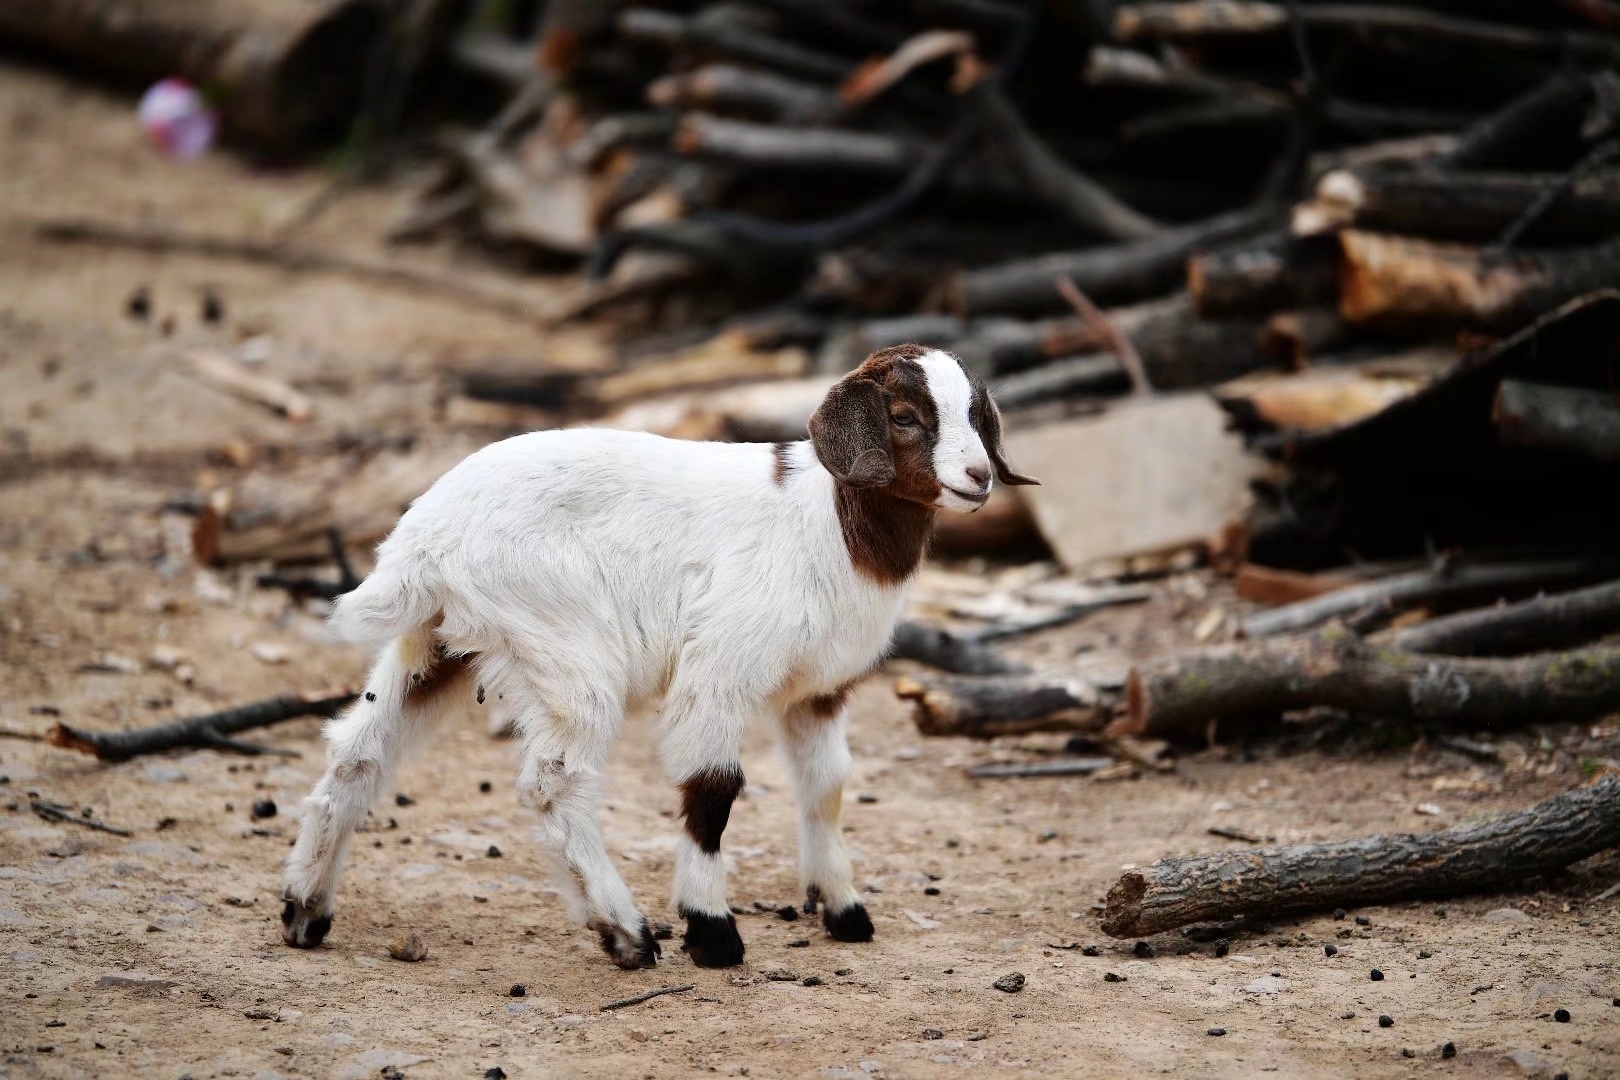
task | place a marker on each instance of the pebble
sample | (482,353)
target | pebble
(1347,1015)
(1562,1016)
(139,304)
(787,913)
(1331,949)
(1424,954)
(264,808)
(484,787)
(1448,1051)
(1143,950)
(1386,1021)
(932,890)
(1440,912)
(1339,914)
(1377,976)
(1362,920)
(1222,947)
(844,971)
(932,1033)
(799,943)
(1217,1031)
(493,852)
(1110,976)
(494,1072)
(408,948)
(780,975)
(1010,983)
(1092,950)
(811,980)
(518,990)
(213,308)
(1408,1052)
(402,799)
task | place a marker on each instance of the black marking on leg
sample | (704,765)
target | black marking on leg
(851,924)
(480,695)
(647,951)
(812,899)
(300,932)
(706,804)
(370,696)
(712,941)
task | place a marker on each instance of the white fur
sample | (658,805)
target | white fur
(959,447)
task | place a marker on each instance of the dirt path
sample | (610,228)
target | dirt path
(158,955)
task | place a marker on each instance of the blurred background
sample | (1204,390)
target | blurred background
(1305,314)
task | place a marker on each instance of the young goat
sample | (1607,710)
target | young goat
(578,573)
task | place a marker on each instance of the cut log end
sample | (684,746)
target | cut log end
(66,738)
(1122,908)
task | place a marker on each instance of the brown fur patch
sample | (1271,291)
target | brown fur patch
(827,706)
(780,465)
(706,804)
(444,672)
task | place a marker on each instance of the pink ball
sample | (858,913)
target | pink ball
(177,119)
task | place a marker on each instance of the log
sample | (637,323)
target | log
(1551,621)
(717,29)
(1393,281)
(780,147)
(985,707)
(1460,206)
(1075,377)
(728,87)
(1499,853)
(1184,693)
(1448,584)
(1063,766)
(1330,396)
(280,73)
(1298,337)
(224,373)
(1263,275)
(1499,139)
(940,648)
(1566,419)
(210,732)
(1111,274)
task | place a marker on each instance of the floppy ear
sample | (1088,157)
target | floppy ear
(850,432)
(989,427)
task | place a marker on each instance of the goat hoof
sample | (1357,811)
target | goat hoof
(630,951)
(851,924)
(712,941)
(301,927)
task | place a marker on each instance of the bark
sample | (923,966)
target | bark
(985,707)
(940,648)
(1392,281)
(1183,693)
(1476,857)
(212,731)
(1460,206)
(1261,276)
(1112,274)
(1554,621)
(1562,418)
(1446,585)
(280,72)
(775,146)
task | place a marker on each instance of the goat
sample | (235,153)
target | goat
(578,573)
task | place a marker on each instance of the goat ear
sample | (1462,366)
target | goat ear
(850,432)
(989,425)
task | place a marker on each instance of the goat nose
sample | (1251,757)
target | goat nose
(978,475)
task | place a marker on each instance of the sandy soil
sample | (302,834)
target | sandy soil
(158,954)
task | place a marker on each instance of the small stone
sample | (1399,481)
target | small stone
(1348,1014)
(868,799)
(1440,912)
(1386,1021)
(799,943)
(780,975)
(1362,920)
(1448,1051)
(518,990)
(484,787)
(139,304)
(932,890)
(1331,949)
(56,1023)
(494,1072)
(1562,1016)
(810,980)
(1339,914)
(662,931)
(932,1033)
(1217,1031)
(1092,950)
(842,972)
(264,808)
(1408,1052)
(402,799)
(1010,983)
(493,852)
(1222,947)
(213,308)
(1143,950)
(1424,954)
(1111,976)
(408,948)
(787,913)
(1377,976)
(270,652)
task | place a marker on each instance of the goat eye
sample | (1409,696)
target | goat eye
(903,419)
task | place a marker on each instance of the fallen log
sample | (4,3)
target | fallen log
(280,73)
(1394,281)
(225,374)
(1327,396)
(1499,853)
(719,30)
(210,732)
(1554,621)
(1562,418)
(985,707)
(780,147)
(940,648)
(726,86)
(1298,337)
(1184,693)
(1110,274)
(1499,139)
(1262,275)
(1446,585)
(1460,206)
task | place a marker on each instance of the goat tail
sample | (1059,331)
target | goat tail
(400,595)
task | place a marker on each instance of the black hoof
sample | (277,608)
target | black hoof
(301,927)
(712,941)
(629,951)
(851,924)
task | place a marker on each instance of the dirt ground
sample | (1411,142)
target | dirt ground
(159,954)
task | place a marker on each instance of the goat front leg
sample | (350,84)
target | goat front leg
(700,750)
(816,745)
